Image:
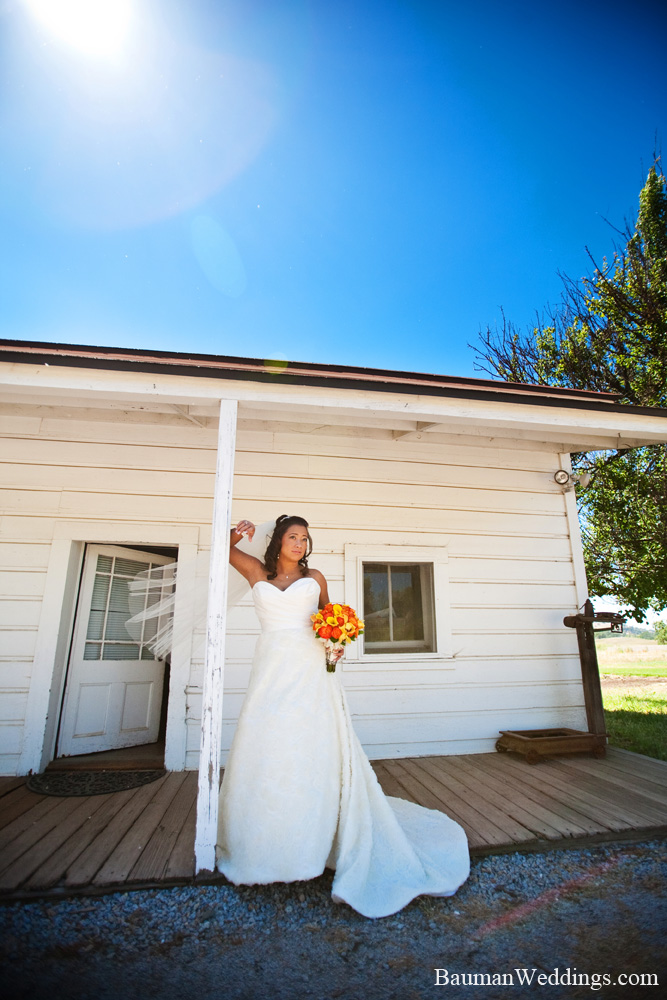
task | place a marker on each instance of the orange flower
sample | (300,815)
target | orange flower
(325,632)
(336,633)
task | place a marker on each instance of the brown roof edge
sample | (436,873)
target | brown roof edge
(304,373)
(229,363)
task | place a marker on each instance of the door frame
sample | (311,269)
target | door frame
(56,624)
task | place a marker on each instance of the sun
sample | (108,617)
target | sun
(94,27)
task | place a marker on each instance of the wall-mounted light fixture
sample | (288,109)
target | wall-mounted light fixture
(568,480)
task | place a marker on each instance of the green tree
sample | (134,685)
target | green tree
(609,333)
(661,632)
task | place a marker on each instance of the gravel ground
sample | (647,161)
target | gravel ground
(600,911)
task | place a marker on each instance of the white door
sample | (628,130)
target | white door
(113,694)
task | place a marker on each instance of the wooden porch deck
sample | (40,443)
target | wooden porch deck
(145,836)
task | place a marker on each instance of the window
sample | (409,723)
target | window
(107,637)
(398,607)
(402,593)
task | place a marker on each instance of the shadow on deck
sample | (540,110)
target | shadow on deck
(144,837)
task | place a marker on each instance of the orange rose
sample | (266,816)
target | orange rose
(336,633)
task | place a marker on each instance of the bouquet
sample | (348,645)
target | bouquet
(336,625)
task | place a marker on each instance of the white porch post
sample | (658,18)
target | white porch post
(211,716)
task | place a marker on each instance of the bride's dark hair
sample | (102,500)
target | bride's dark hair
(273,549)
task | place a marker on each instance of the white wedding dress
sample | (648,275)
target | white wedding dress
(298,792)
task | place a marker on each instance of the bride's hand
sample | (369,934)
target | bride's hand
(246,528)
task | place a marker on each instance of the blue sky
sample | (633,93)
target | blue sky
(361,183)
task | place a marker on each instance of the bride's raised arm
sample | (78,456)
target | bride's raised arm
(248,566)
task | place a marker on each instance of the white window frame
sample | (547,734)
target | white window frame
(437,556)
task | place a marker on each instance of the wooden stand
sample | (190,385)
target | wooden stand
(535,744)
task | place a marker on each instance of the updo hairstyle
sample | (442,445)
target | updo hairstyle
(273,549)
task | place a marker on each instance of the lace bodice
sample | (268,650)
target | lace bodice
(282,609)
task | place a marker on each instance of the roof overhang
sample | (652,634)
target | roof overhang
(410,405)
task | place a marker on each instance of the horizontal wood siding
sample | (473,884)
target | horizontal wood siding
(503,521)
(493,504)
(128,469)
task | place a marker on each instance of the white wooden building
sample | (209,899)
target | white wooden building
(431,500)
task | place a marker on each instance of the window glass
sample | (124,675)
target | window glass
(110,609)
(398,607)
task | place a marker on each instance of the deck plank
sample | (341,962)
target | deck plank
(440,796)
(638,760)
(146,835)
(83,870)
(546,785)
(414,792)
(547,779)
(19,835)
(154,858)
(549,788)
(125,855)
(71,820)
(16,803)
(53,868)
(602,787)
(517,806)
(637,805)
(652,788)
(389,784)
(459,784)
(181,862)
(8,785)
(556,811)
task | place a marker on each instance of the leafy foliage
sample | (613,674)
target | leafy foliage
(609,334)
(661,632)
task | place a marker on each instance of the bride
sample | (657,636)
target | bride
(298,793)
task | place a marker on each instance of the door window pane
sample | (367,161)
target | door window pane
(95,625)
(121,651)
(130,567)
(100,592)
(110,609)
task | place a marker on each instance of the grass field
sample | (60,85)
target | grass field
(626,655)
(637,720)
(636,716)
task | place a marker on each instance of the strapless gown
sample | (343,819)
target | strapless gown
(298,792)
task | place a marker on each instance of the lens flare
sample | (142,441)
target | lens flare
(93,27)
